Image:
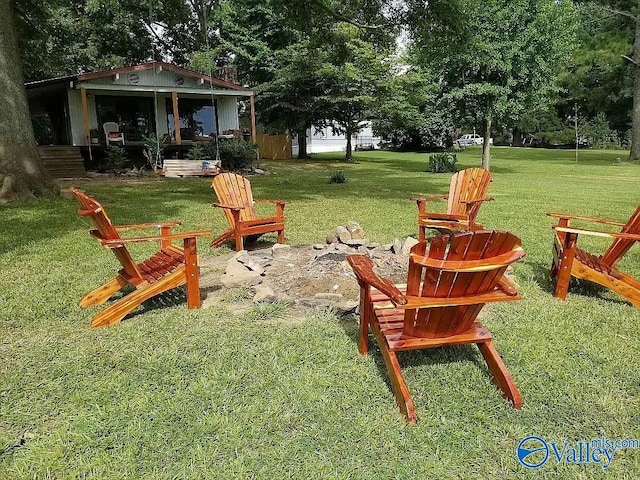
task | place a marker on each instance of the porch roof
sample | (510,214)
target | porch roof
(84,79)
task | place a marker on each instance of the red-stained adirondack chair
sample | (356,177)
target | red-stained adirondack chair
(170,267)
(571,261)
(467,191)
(235,197)
(439,305)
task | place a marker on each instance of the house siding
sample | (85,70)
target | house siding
(228,114)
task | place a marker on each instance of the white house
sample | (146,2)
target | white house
(323,140)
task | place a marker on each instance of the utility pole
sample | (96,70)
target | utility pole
(575,125)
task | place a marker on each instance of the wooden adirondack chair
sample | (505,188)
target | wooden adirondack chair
(235,197)
(571,261)
(440,303)
(170,267)
(467,191)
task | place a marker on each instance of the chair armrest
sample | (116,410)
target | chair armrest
(585,219)
(478,200)
(262,200)
(363,268)
(142,226)
(595,233)
(441,216)
(118,242)
(482,265)
(228,207)
(494,296)
(430,197)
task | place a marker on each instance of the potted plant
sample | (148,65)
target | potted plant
(94,135)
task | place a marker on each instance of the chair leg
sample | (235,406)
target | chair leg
(363,335)
(501,376)
(281,236)
(192,273)
(565,264)
(239,245)
(398,383)
(421,233)
(118,310)
(103,293)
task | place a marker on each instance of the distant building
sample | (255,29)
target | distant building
(323,140)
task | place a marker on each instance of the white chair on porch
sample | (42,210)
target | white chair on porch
(112,133)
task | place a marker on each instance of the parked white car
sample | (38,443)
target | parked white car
(472,139)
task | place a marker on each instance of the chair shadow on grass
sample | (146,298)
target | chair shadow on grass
(176,297)
(414,358)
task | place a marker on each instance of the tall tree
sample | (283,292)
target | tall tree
(289,100)
(598,77)
(22,174)
(629,11)
(412,113)
(497,58)
(60,38)
(354,76)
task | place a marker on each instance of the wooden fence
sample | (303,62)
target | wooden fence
(274,147)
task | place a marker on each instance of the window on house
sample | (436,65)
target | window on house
(197,118)
(134,115)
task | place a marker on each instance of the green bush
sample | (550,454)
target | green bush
(234,154)
(154,149)
(196,153)
(557,138)
(442,162)
(337,177)
(115,159)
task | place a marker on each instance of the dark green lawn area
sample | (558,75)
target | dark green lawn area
(173,393)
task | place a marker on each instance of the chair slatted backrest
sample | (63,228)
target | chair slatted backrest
(620,246)
(467,184)
(234,190)
(90,207)
(110,127)
(437,283)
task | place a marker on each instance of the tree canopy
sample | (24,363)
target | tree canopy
(497,58)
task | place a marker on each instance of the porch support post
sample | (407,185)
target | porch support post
(176,117)
(85,116)
(252,110)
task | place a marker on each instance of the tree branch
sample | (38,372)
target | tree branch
(341,16)
(622,13)
(160,40)
(630,59)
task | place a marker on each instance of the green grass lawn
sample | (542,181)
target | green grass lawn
(173,393)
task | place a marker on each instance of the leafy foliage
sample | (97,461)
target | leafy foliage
(196,153)
(234,154)
(354,76)
(337,177)
(442,162)
(497,59)
(115,158)
(154,149)
(412,114)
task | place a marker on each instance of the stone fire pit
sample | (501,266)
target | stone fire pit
(312,275)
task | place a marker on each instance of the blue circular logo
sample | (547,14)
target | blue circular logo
(533,452)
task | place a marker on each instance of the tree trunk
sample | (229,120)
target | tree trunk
(302,144)
(635,124)
(349,154)
(486,144)
(517,137)
(22,174)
